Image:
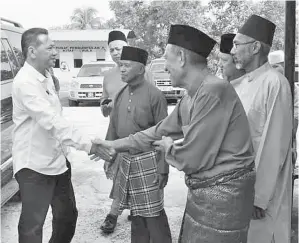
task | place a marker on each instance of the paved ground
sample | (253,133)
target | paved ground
(92,190)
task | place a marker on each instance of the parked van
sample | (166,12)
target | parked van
(87,86)
(11,62)
(162,80)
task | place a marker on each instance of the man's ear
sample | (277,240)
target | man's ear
(141,69)
(31,52)
(257,47)
(182,57)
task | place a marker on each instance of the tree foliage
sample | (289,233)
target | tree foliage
(83,18)
(151,20)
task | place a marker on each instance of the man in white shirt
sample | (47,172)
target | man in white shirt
(266,96)
(40,140)
(276,60)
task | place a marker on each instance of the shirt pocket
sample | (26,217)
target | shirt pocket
(54,100)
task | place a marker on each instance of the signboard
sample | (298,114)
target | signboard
(80,48)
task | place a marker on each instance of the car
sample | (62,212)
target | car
(162,80)
(87,86)
(11,62)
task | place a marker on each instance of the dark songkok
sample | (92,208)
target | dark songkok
(259,29)
(116,35)
(131,35)
(134,54)
(191,39)
(226,43)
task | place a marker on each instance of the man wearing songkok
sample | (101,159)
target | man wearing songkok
(141,176)
(266,97)
(228,67)
(215,150)
(112,83)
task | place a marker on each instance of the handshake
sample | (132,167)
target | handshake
(102,149)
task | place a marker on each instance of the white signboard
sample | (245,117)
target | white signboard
(80,48)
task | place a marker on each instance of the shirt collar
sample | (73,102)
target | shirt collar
(237,80)
(36,73)
(136,86)
(257,72)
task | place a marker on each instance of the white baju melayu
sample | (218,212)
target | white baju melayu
(266,97)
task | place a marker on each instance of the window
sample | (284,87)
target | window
(78,63)
(100,59)
(6,72)
(91,70)
(57,63)
(11,57)
(15,42)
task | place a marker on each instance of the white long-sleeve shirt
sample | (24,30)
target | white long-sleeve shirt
(41,133)
(266,96)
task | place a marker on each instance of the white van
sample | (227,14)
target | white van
(87,86)
(11,62)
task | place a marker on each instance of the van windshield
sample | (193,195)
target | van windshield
(91,70)
(158,67)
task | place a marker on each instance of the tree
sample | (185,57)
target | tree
(82,18)
(275,12)
(97,23)
(151,20)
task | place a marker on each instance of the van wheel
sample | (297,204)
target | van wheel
(73,103)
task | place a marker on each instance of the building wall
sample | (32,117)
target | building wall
(69,51)
(81,51)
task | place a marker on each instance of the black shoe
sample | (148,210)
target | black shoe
(109,224)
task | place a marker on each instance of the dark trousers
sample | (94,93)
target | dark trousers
(38,191)
(150,230)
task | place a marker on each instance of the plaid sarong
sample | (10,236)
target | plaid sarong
(137,191)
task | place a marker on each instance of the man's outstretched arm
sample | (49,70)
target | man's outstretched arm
(170,126)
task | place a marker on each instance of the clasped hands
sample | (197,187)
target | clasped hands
(102,149)
(163,144)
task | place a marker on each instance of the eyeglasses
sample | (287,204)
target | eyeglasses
(235,45)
